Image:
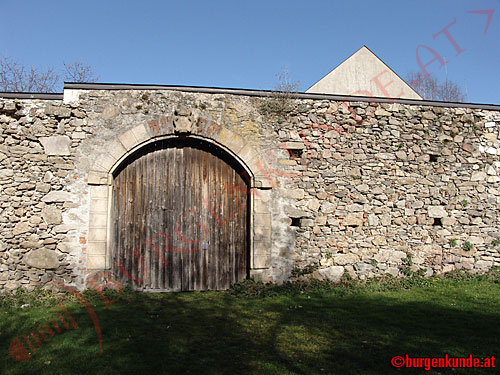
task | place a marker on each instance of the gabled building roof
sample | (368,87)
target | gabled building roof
(364,74)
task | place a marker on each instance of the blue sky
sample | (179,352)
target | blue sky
(243,44)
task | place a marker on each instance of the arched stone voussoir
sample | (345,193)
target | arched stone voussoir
(134,137)
(248,154)
(231,140)
(117,149)
(104,162)
(262,172)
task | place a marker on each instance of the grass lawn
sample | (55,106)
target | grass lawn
(353,328)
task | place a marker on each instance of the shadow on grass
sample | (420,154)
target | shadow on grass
(215,333)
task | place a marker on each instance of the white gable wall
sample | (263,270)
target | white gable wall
(364,74)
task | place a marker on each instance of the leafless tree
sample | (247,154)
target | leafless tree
(426,87)
(430,88)
(451,92)
(17,77)
(79,72)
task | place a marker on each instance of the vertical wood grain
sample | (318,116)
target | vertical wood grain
(179,219)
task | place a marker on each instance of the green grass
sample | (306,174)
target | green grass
(316,328)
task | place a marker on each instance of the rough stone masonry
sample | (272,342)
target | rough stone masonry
(346,185)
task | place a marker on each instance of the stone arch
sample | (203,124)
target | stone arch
(100,179)
(132,139)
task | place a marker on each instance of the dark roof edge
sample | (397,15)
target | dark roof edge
(246,92)
(31,95)
(249,92)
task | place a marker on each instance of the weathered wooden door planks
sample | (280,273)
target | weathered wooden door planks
(180,219)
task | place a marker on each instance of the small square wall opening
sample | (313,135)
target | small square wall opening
(295,153)
(295,222)
(433,158)
(437,222)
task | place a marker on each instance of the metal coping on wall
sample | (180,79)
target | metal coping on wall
(31,95)
(249,92)
(245,92)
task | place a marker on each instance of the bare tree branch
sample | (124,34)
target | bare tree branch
(451,92)
(429,88)
(79,72)
(16,77)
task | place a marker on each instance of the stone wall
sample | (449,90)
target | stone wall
(41,225)
(357,187)
(410,188)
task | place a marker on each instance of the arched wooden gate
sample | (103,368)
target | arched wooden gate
(180,218)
